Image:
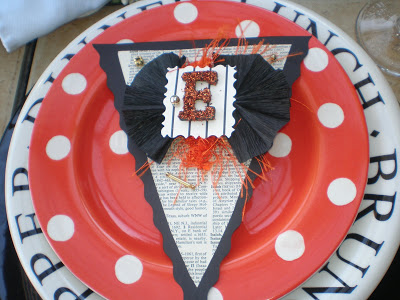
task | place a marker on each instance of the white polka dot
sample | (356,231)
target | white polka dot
(125,41)
(74,83)
(247,29)
(316,60)
(214,294)
(282,145)
(185,13)
(60,228)
(330,115)
(58,147)
(342,191)
(118,142)
(128,269)
(290,245)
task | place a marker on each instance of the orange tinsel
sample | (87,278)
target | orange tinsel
(214,155)
(208,56)
(198,152)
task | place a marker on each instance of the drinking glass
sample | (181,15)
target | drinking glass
(378,32)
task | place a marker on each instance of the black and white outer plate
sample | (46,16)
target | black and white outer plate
(352,272)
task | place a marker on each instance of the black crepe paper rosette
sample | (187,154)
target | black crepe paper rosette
(262,105)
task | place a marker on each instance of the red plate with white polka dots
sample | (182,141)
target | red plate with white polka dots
(92,209)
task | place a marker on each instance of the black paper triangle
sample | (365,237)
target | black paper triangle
(109,62)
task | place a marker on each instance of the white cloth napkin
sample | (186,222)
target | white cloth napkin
(24,20)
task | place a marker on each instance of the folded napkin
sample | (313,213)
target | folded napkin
(24,20)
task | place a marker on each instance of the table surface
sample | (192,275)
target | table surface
(343,13)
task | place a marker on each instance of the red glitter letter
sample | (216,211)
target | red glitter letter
(189,113)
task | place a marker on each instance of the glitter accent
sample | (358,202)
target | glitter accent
(189,113)
(174,100)
(273,58)
(139,61)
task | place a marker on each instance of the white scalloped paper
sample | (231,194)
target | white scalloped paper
(222,98)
